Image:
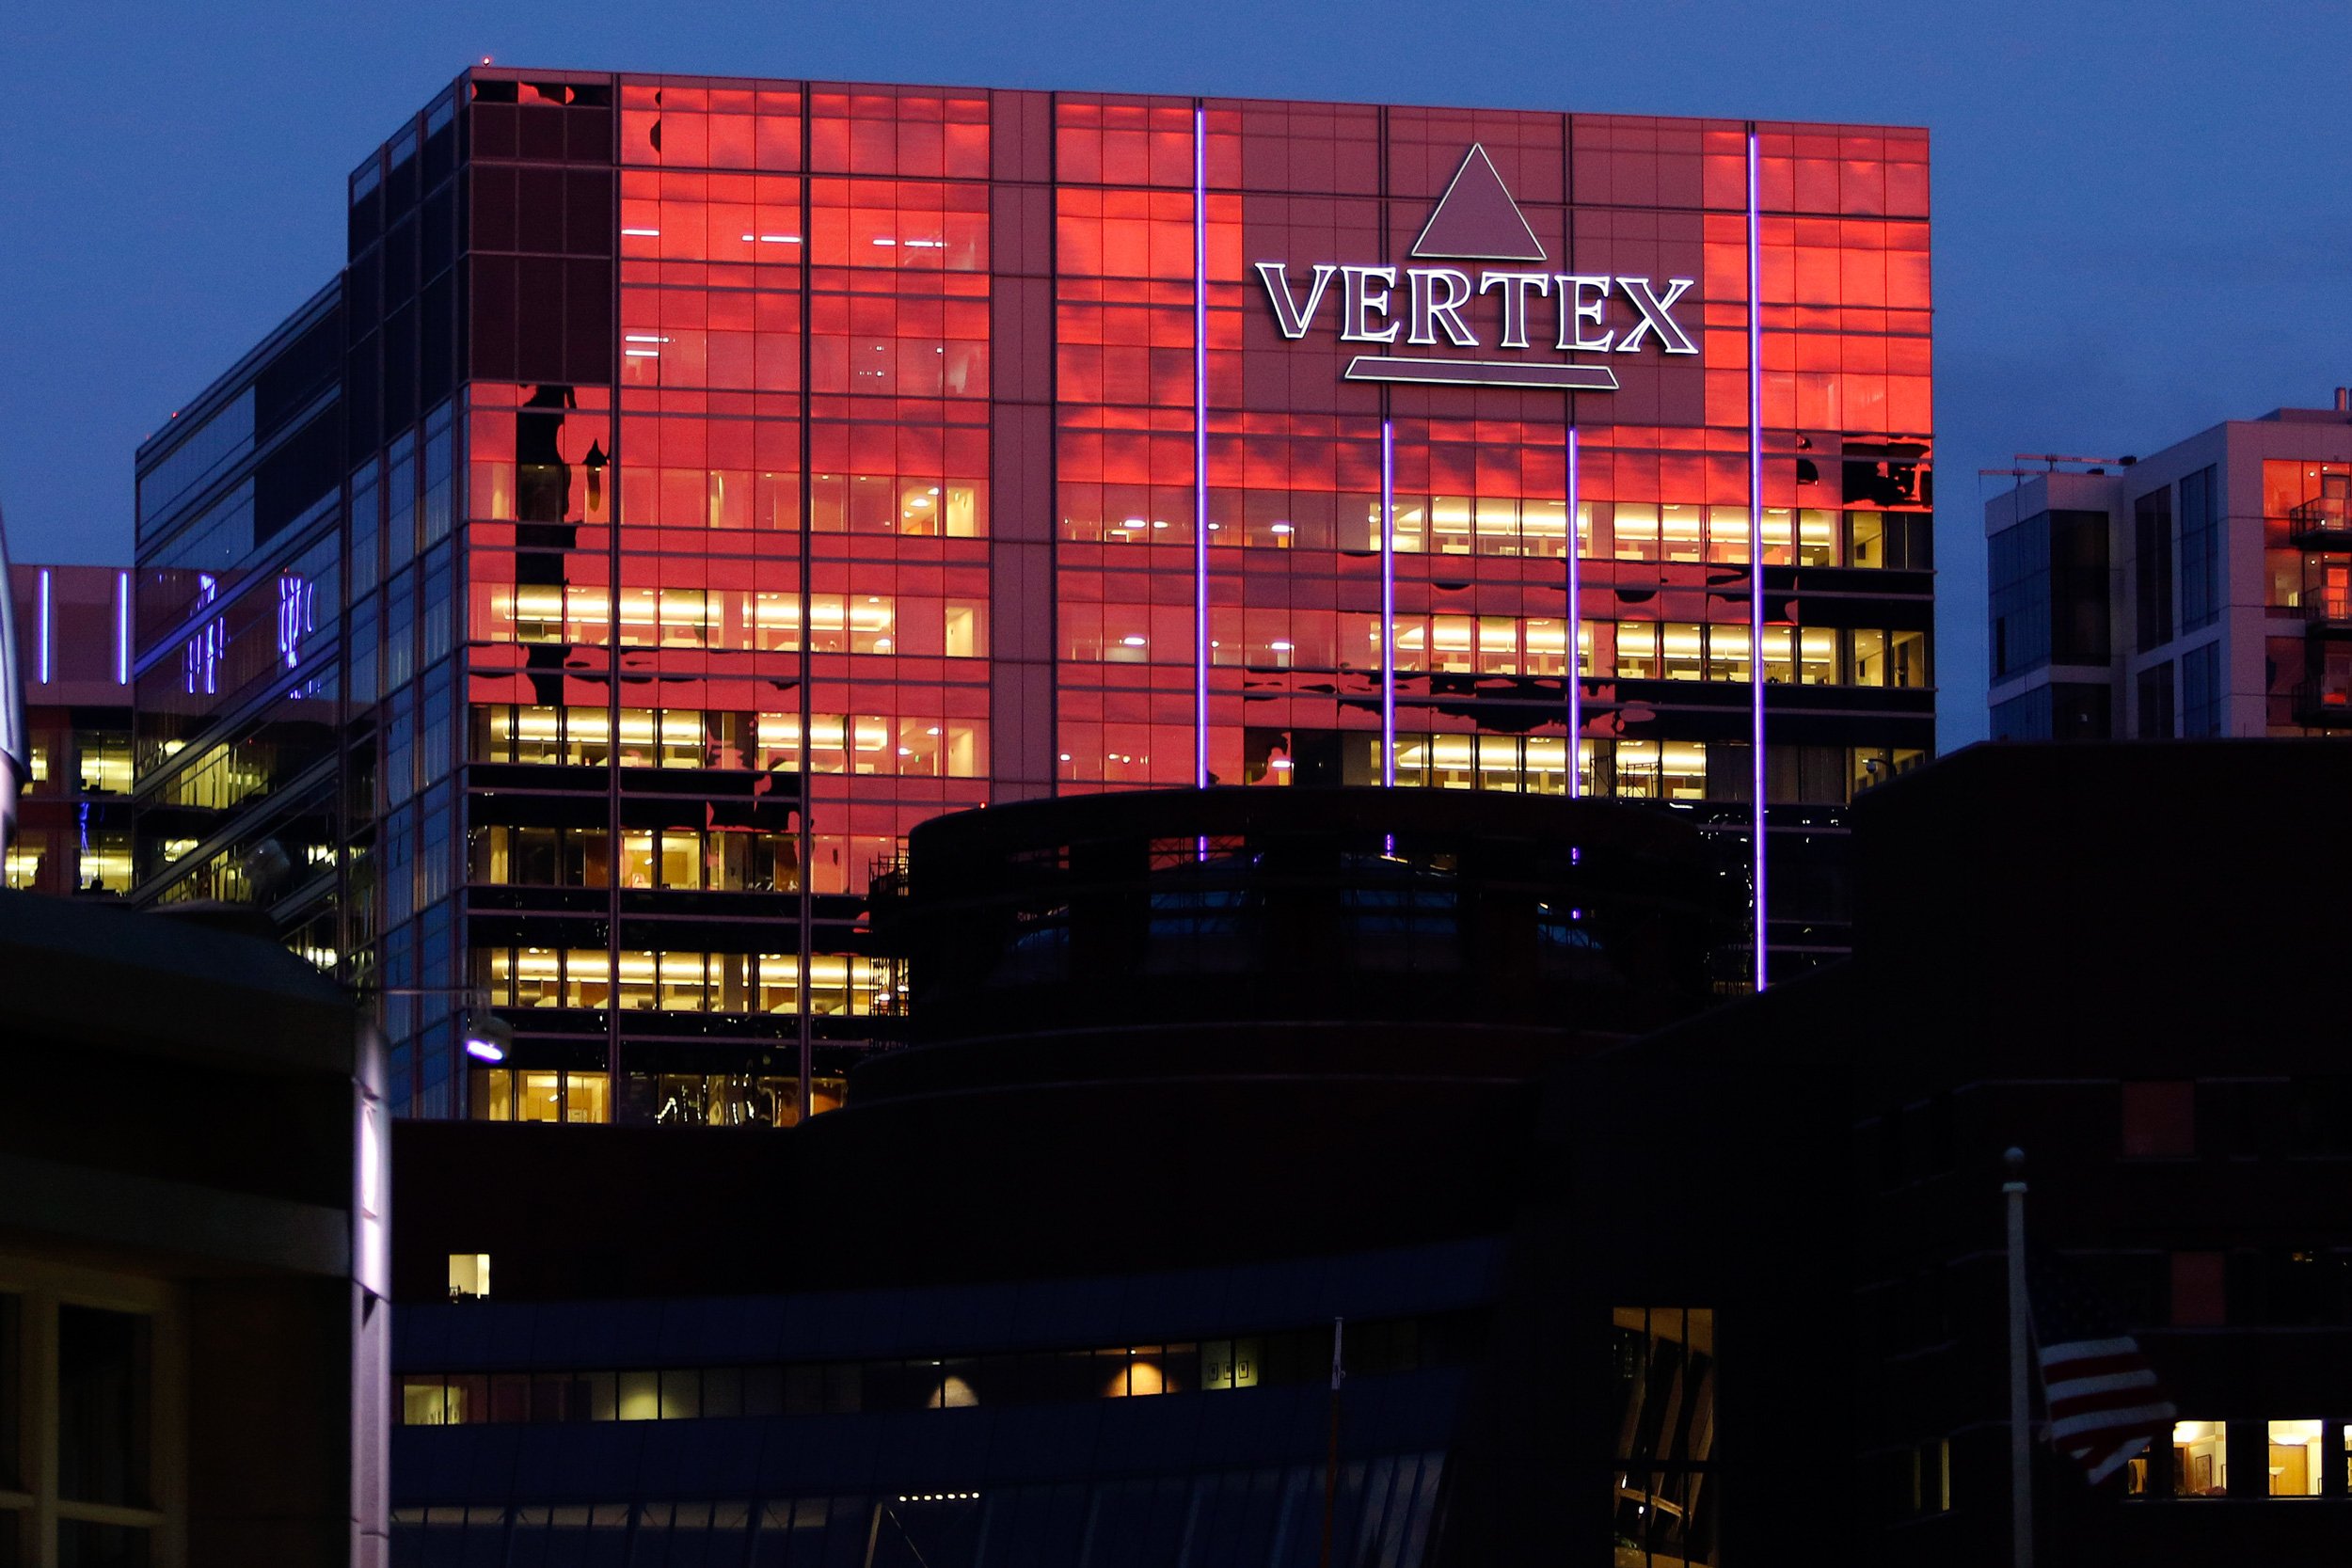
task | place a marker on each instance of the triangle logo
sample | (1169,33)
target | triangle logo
(1476,219)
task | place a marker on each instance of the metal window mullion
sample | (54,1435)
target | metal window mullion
(807,906)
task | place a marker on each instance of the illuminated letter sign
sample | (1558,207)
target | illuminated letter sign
(1477,220)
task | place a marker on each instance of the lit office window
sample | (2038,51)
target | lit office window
(2200,1459)
(2296,1462)
(469,1275)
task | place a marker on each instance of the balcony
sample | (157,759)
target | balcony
(2327,608)
(2323,523)
(2323,705)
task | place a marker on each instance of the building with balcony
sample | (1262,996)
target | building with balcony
(690,484)
(2204,590)
(73,832)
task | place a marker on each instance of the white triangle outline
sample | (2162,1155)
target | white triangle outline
(1477,150)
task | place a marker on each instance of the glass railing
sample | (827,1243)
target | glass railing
(2332,603)
(2324,704)
(2322,519)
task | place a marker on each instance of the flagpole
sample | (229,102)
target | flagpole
(2020,1410)
(1331,1468)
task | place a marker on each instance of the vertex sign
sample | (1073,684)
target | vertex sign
(1477,220)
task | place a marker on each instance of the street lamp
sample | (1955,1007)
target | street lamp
(489,1037)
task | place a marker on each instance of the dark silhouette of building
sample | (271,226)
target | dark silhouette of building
(1725,1290)
(193,1248)
(1196,1073)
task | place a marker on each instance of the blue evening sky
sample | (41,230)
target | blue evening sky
(2141,223)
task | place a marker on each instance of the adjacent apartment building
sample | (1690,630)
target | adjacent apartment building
(691,484)
(2206,590)
(74,657)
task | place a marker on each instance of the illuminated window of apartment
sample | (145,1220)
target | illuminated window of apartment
(1927,1477)
(2159,1120)
(2297,1460)
(1663,1482)
(469,1275)
(2200,1459)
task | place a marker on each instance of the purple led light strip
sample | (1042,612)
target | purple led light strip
(1387,604)
(1756,551)
(1200,444)
(123,628)
(45,625)
(1576,604)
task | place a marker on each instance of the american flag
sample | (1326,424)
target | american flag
(2103,1402)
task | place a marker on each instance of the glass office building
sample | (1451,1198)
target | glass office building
(691,484)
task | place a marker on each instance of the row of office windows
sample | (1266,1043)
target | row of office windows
(1384,1511)
(1636,769)
(912,747)
(97,860)
(99,765)
(676,858)
(2293,1462)
(1497,646)
(745,620)
(1132,753)
(840,1388)
(1491,525)
(930,506)
(642,1100)
(764,499)
(639,980)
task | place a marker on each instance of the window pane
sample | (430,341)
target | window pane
(104,1389)
(83,1544)
(2200,1459)
(2295,1459)
(11,1405)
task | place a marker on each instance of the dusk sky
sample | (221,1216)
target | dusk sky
(2140,210)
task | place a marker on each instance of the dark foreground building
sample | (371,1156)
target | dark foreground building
(1200,1074)
(690,484)
(1063,1291)
(2105,955)
(193,1250)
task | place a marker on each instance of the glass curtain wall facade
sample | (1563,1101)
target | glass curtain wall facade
(232,640)
(740,472)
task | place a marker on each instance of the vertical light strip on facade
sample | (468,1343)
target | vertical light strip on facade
(44,626)
(1576,604)
(1388,603)
(1755,550)
(123,628)
(1200,446)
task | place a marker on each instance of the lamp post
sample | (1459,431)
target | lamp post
(2020,1335)
(489,1037)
